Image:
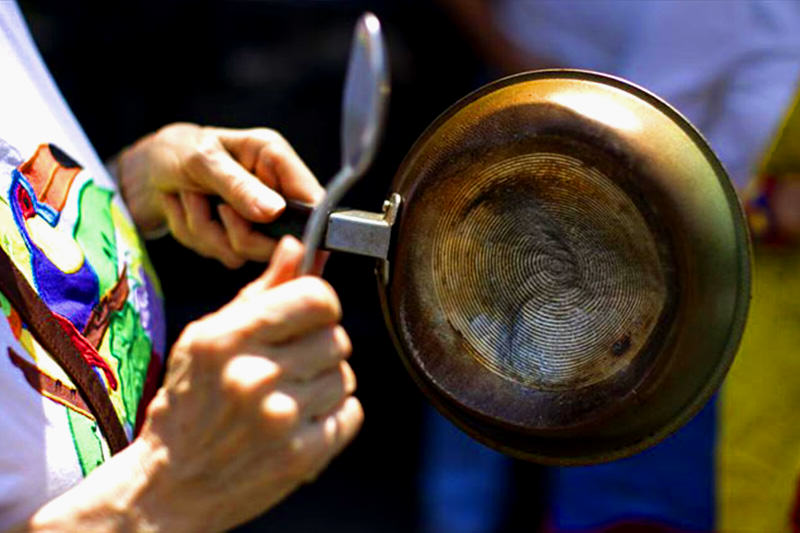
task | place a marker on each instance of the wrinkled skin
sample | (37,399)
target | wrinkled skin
(257,400)
(167,177)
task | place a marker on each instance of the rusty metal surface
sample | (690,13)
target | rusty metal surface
(570,278)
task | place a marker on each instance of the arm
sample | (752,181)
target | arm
(256,401)
(166,177)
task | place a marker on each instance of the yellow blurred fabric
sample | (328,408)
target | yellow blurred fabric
(758,451)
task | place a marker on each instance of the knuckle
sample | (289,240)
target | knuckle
(276,152)
(159,406)
(249,291)
(203,154)
(348,378)
(341,342)
(349,420)
(268,136)
(280,413)
(199,157)
(215,334)
(245,377)
(196,337)
(357,414)
(176,126)
(239,190)
(317,296)
(264,320)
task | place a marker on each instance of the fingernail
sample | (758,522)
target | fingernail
(270,203)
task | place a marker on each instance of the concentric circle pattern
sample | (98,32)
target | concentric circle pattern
(548,271)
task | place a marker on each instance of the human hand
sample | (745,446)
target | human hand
(166,176)
(257,399)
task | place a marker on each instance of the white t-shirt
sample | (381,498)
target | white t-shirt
(67,230)
(730,67)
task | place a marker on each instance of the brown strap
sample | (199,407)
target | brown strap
(40,321)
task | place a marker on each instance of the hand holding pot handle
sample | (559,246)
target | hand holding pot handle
(257,400)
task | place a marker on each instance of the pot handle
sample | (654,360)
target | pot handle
(344,230)
(292,221)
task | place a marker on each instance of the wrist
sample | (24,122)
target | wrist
(123,495)
(132,169)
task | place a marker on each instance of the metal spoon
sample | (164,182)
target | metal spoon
(366,92)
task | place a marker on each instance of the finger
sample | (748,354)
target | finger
(282,267)
(251,381)
(208,237)
(176,218)
(243,239)
(349,418)
(247,378)
(312,354)
(320,396)
(284,264)
(217,171)
(294,178)
(282,313)
(280,414)
(319,441)
(320,260)
(272,159)
(245,145)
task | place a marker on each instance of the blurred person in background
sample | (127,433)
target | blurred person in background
(256,397)
(732,69)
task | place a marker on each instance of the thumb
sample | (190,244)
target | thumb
(285,261)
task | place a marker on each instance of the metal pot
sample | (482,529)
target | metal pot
(563,266)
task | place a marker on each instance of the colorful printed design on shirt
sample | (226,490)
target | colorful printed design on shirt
(759,211)
(86,262)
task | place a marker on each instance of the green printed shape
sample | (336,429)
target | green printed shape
(94,233)
(126,232)
(86,438)
(5,305)
(132,348)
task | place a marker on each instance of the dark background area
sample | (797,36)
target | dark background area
(127,68)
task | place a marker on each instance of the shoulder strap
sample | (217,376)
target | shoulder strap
(50,334)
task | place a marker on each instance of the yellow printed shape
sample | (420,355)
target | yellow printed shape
(41,358)
(758,451)
(130,244)
(60,249)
